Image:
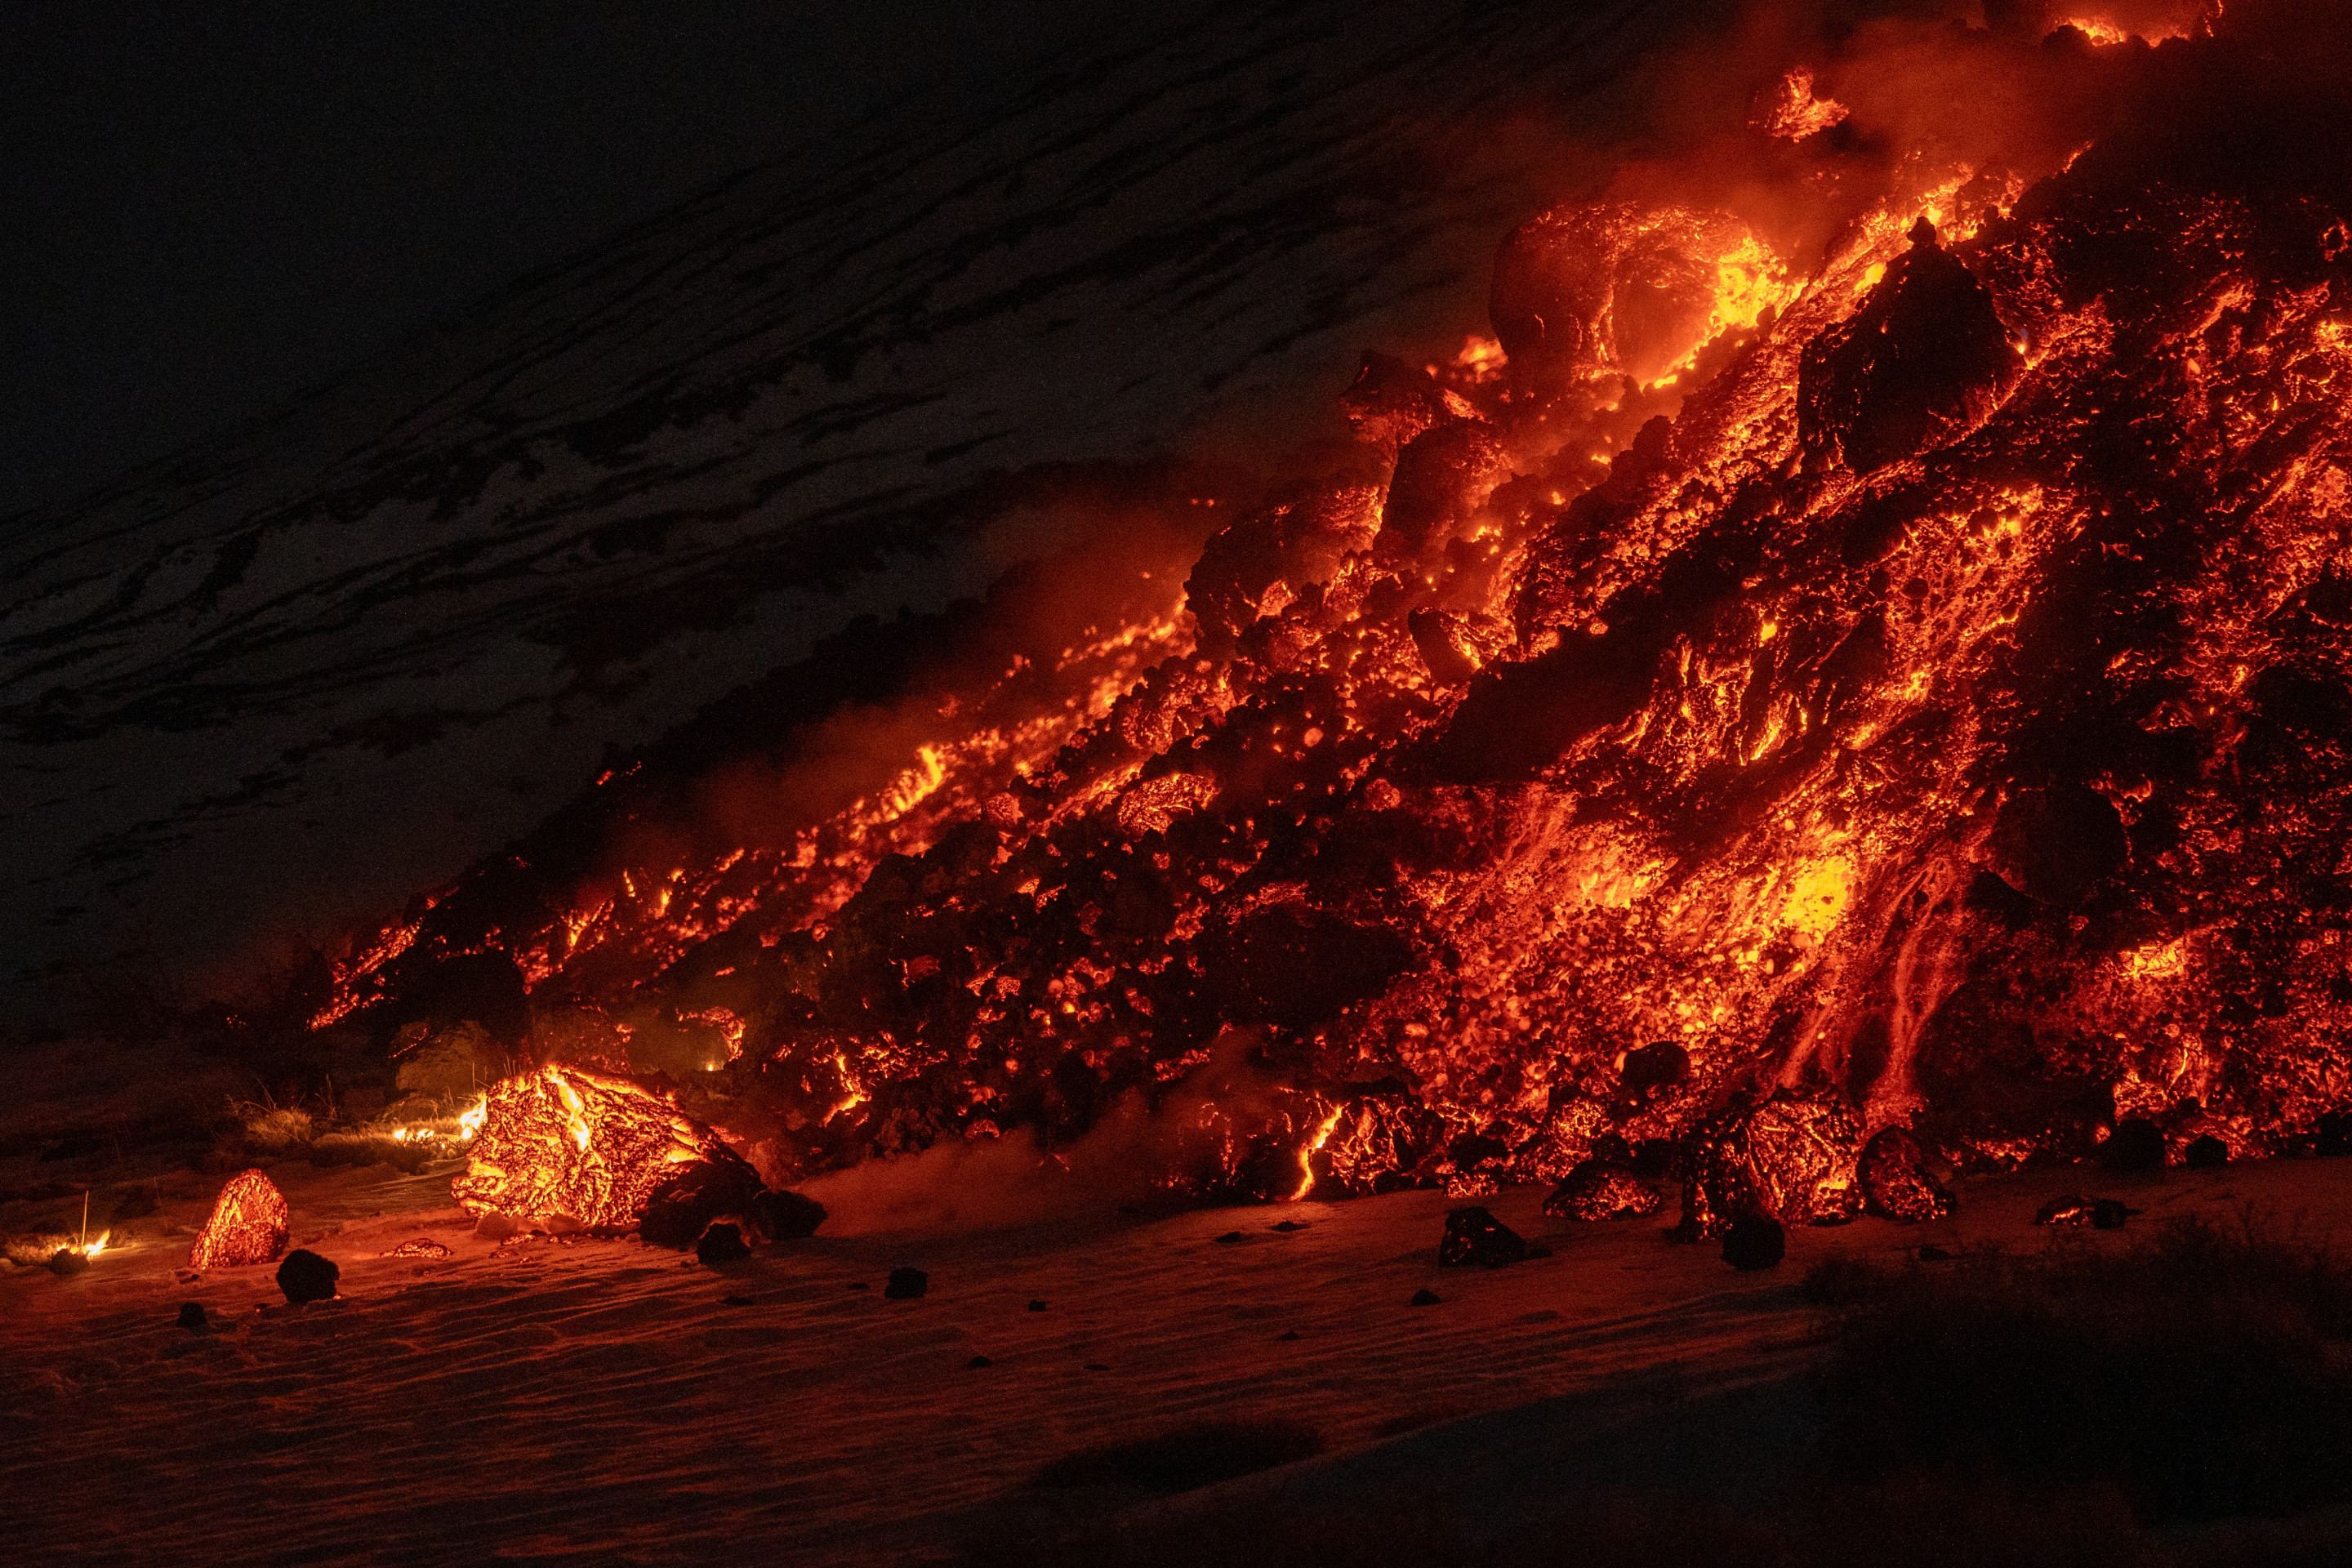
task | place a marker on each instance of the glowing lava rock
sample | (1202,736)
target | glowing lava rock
(564,1141)
(247,1224)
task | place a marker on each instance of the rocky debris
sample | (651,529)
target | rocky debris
(978,1362)
(721,1244)
(1286,1336)
(1476,1238)
(1602,1189)
(2057,845)
(307,1276)
(1036,1306)
(1754,1241)
(418,1249)
(2135,1144)
(192,1317)
(1921,360)
(2075,1208)
(68,1260)
(2205,1152)
(1285,1226)
(1230,1238)
(1898,1180)
(736,1301)
(1443,478)
(247,1224)
(782,1216)
(905,1285)
(1792,1157)
(1095,1366)
(1425,1297)
(498,1227)
(1928,1252)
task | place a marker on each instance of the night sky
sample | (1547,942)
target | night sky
(210,208)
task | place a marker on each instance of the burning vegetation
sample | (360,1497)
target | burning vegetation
(1849,677)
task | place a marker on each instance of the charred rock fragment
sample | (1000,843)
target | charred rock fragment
(1424,1297)
(192,1317)
(1602,1189)
(1924,358)
(1898,1180)
(1754,1241)
(905,1285)
(1476,1238)
(307,1276)
(1443,477)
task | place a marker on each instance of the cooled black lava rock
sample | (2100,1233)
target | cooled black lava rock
(1425,1297)
(722,1243)
(307,1276)
(2135,1144)
(978,1362)
(66,1261)
(1476,1238)
(1602,1189)
(2076,1209)
(192,1317)
(1754,1241)
(1647,1074)
(1897,1180)
(2204,1153)
(678,1214)
(905,1284)
(1036,1306)
(1790,1157)
(786,1216)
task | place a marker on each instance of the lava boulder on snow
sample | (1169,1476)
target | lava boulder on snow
(307,1276)
(1602,1189)
(1474,1238)
(681,1209)
(192,1317)
(1792,1157)
(785,1215)
(247,1224)
(1898,1180)
(721,1244)
(2077,1209)
(1754,1241)
(2204,1153)
(905,1285)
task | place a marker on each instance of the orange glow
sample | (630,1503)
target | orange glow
(247,1224)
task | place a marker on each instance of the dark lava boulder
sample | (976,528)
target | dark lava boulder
(1647,1074)
(2135,1144)
(2056,845)
(1924,359)
(192,1317)
(722,1244)
(1602,1189)
(783,1216)
(2076,1209)
(682,1209)
(307,1276)
(1898,1180)
(905,1285)
(1790,1158)
(1753,1241)
(2204,1153)
(1474,1238)
(2332,1137)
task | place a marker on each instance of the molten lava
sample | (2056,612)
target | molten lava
(1888,668)
(248,1225)
(566,1144)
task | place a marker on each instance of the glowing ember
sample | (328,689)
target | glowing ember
(248,1225)
(566,1143)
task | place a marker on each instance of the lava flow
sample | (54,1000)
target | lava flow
(1857,660)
